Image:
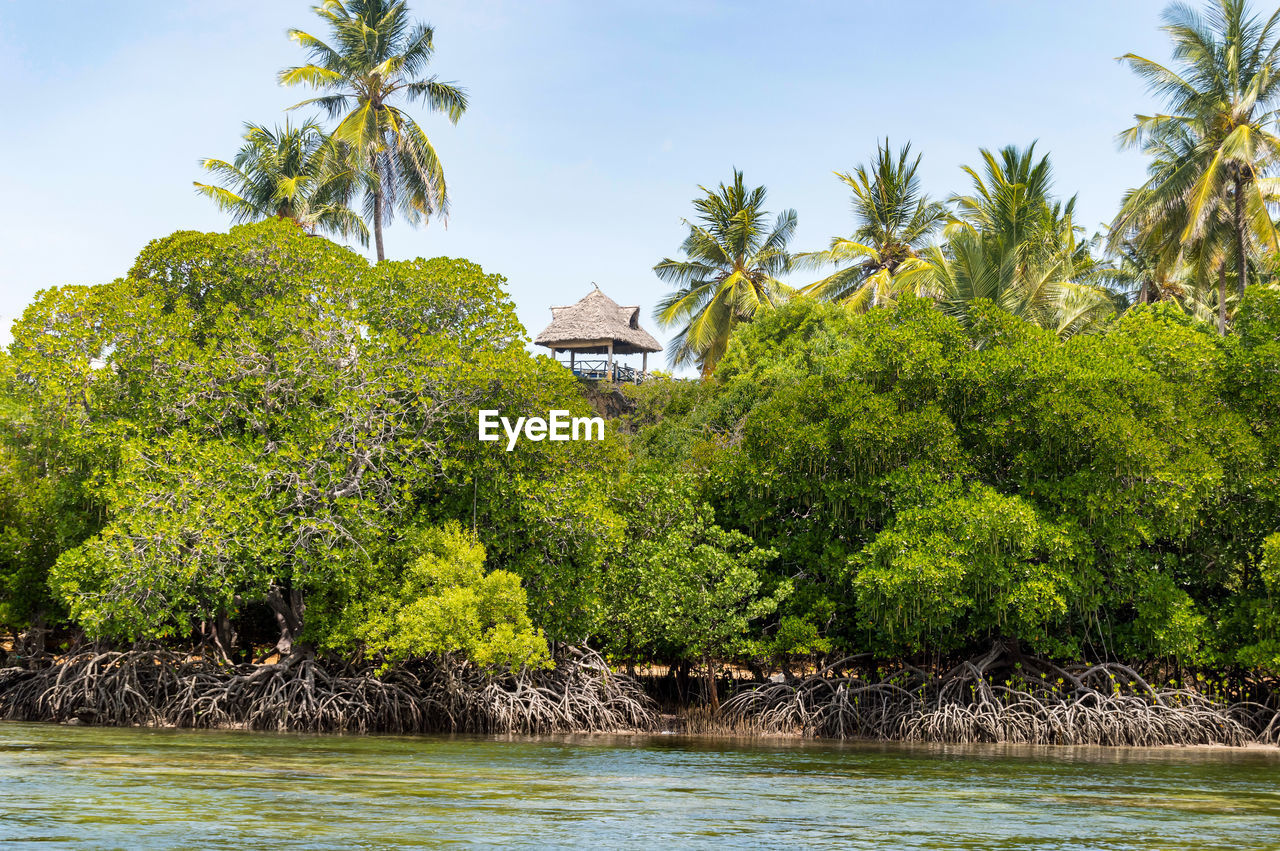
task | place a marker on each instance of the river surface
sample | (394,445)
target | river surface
(83,787)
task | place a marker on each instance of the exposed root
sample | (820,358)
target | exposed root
(1037,703)
(162,688)
(1099,705)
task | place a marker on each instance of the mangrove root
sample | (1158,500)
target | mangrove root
(164,688)
(1104,704)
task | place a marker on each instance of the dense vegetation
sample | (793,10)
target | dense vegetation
(976,430)
(928,485)
(260,439)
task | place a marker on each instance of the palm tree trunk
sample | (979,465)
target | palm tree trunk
(377,210)
(1222,299)
(377,224)
(1243,263)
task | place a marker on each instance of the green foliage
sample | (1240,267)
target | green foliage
(826,421)
(730,271)
(181,544)
(895,218)
(260,414)
(976,565)
(1255,363)
(929,485)
(442,602)
(292,172)
(39,515)
(1264,651)
(1167,621)
(1253,376)
(680,587)
(48,469)
(262,420)
(376,61)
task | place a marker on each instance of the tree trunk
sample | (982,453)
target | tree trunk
(713,692)
(784,662)
(682,682)
(31,641)
(1222,299)
(1241,260)
(377,225)
(377,210)
(288,606)
(224,634)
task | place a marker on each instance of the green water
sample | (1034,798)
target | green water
(78,787)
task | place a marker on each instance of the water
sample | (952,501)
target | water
(78,787)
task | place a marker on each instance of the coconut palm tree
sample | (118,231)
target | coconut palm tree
(895,220)
(1047,290)
(1011,242)
(292,172)
(1214,148)
(1158,215)
(1154,226)
(377,58)
(1012,202)
(1136,272)
(730,271)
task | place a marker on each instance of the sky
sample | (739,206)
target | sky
(590,129)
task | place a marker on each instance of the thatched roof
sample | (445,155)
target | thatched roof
(589,325)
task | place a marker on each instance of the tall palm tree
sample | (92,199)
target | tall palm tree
(1047,290)
(1214,147)
(894,222)
(731,270)
(378,56)
(291,172)
(1012,243)
(1159,215)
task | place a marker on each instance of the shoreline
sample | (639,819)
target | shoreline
(726,738)
(1107,705)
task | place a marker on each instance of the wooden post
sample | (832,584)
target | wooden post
(571,354)
(644,364)
(611,360)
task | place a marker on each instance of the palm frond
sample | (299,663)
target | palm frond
(729,271)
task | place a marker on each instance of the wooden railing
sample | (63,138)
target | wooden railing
(598,370)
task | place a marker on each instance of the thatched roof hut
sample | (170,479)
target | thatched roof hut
(598,325)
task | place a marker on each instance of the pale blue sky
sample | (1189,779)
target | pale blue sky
(591,123)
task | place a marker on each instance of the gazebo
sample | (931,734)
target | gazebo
(598,325)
